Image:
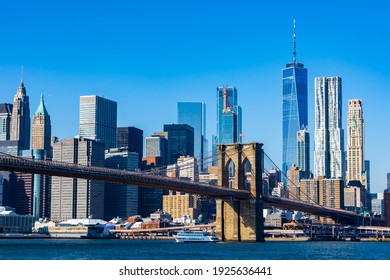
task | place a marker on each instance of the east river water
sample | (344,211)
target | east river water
(116,249)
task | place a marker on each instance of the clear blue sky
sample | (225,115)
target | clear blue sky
(149,55)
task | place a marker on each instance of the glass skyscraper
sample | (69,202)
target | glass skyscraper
(229,122)
(98,117)
(180,141)
(194,114)
(295,110)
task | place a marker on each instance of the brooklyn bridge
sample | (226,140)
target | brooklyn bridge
(239,200)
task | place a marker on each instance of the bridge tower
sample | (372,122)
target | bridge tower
(240,166)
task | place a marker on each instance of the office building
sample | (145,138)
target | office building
(156,147)
(229,116)
(20,119)
(329,135)
(303,152)
(295,110)
(355,147)
(194,114)
(120,200)
(188,168)
(98,120)
(5,121)
(131,138)
(41,130)
(73,198)
(180,141)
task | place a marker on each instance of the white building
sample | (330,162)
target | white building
(329,135)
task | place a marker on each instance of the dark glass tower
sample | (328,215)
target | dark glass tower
(194,114)
(131,138)
(180,141)
(295,110)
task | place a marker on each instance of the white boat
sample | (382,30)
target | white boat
(195,236)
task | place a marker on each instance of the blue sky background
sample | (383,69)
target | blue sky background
(149,55)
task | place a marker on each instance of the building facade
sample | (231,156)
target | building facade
(294,107)
(120,200)
(41,129)
(20,119)
(73,198)
(355,147)
(180,141)
(98,120)
(156,146)
(229,116)
(131,138)
(5,121)
(303,152)
(329,135)
(194,114)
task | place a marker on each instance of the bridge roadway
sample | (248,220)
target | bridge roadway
(53,168)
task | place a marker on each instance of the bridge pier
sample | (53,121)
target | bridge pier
(238,165)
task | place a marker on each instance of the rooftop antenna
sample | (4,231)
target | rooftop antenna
(295,45)
(21,75)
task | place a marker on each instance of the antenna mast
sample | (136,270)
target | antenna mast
(295,45)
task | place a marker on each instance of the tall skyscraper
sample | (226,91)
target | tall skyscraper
(41,129)
(20,120)
(5,121)
(73,198)
(303,152)
(180,141)
(229,116)
(194,114)
(295,112)
(131,138)
(355,152)
(329,135)
(98,120)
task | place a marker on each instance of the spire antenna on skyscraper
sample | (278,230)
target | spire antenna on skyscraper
(295,45)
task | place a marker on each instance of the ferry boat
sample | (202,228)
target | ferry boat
(195,236)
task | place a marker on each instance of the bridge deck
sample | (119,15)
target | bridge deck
(10,163)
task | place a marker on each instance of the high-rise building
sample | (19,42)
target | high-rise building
(5,121)
(303,152)
(73,198)
(180,141)
(188,168)
(20,120)
(355,152)
(98,120)
(156,146)
(329,135)
(229,116)
(41,129)
(194,114)
(120,200)
(131,138)
(295,111)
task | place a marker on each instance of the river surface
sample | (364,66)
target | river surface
(117,249)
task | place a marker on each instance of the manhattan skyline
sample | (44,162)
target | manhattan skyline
(148,57)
